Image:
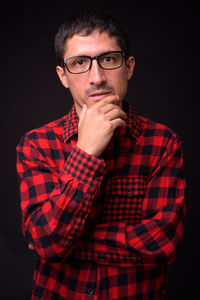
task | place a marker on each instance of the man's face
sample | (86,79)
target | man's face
(97,83)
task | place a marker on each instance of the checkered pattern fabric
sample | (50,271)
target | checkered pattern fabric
(103,228)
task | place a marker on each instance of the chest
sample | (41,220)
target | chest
(121,195)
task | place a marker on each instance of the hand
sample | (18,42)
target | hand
(31,247)
(98,123)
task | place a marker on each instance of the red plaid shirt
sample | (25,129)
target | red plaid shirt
(103,228)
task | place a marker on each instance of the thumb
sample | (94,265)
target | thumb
(82,114)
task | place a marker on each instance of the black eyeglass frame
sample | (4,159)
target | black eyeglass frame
(92,58)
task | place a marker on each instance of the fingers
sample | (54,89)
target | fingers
(118,123)
(110,108)
(112,99)
(105,109)
(116,113)
(97,124)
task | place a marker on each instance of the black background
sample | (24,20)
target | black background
(164,41)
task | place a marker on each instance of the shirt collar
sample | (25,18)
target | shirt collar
(133,122)
(71,124)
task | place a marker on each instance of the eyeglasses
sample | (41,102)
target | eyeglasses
(108,61)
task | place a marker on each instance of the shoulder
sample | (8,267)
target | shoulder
(157,139)
(45,133)
(152,129)
(148,130)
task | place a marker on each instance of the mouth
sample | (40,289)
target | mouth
(99,94)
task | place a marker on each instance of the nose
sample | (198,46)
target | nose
(96,73)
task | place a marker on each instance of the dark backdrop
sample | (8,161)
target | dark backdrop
(164,88)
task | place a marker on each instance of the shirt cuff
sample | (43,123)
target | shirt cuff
(85,168)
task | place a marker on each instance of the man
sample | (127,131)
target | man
(102,189)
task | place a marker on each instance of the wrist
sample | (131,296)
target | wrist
(85,168)
(88,150)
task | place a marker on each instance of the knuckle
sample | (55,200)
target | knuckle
(108,125)
(96,112)
(113,106)
(101,118)
(110,106)
(117,110)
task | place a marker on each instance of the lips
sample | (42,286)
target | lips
(100,94)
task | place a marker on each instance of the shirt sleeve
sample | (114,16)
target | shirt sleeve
(155,239)
(55,205)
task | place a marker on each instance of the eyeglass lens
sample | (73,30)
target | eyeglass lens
(81,64)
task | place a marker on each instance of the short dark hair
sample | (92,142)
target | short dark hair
(85,22)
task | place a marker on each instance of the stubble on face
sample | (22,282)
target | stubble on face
(85,89)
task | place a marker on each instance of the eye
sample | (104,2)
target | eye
(79,62)
(108,58)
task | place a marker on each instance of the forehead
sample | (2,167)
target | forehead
(92,44)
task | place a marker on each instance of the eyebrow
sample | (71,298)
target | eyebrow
(93,55)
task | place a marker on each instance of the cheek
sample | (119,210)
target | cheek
(120,84)
(123,89)
(76,87)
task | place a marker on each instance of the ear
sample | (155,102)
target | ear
(130,65)
(63,78)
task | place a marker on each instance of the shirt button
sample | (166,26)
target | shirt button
(128,191)
(91,292)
